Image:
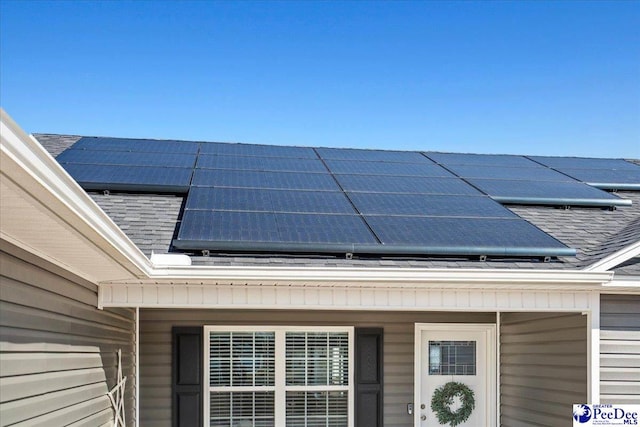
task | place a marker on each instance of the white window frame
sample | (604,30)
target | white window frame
(280,387)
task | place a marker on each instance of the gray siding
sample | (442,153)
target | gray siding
(155,350)
(58,353)
(620,349)
(543,361)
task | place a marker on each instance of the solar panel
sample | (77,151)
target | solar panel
(386,168)
(508,173)
(311,201)
(505,160)
(489,236)
(130,178)
(229,162)
(127,158)
(345,229)
(206,226)
(260,200)
(583,163)
(257,150)
(229,199)
(547,192)
(256,230)
(257,179)
(371,155)
(136,145)
(260,163)
(403,184)
(428,205)
(620,179)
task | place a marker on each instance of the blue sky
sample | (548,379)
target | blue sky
(551,78)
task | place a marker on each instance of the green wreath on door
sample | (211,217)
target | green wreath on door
(443,399)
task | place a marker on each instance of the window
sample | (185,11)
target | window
(452,357)
(279,376)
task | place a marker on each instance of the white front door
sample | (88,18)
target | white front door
(460,353)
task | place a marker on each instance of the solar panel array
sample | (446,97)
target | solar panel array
(413,205)
(246,197)
(522,180)
(264,198)
(131,164)
(607,174)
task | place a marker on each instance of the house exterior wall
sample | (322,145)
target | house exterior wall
(543,367)
(155,349)
(620,349)
(58,352)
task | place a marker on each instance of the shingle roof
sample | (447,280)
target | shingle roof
(150,221)
(56,144)
(595,233)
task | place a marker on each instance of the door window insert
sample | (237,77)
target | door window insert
(452,357)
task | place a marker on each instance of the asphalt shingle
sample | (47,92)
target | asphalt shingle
(56,144)
(149,220)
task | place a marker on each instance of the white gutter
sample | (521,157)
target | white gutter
(623,284)
(370,276)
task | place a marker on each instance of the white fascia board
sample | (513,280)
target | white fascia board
(623,284)
(31,168)
(616,258)
(312,276)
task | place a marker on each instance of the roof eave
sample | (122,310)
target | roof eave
(359,276)
(77,235)
(47,213)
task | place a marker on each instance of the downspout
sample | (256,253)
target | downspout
(593,355)
(498,364)
(137,364)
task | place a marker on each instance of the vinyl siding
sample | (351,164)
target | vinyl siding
(620,349)
(155,350)
(58,352)
(543,369)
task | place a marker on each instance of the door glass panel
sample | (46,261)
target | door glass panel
(452,357)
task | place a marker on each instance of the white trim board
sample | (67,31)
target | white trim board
(341,298)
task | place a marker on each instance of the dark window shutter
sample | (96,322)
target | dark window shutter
(186,387)
(369,370)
